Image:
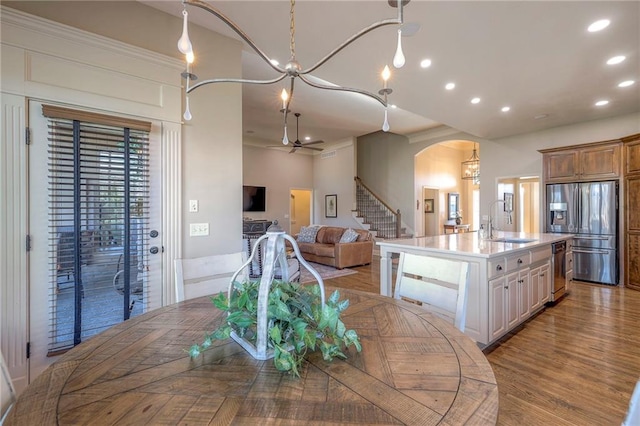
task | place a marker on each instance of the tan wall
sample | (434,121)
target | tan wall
(212,141)
(279,172)
(334,175)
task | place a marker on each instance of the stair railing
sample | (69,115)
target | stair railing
(378,213)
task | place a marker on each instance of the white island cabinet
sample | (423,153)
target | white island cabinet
(508,281)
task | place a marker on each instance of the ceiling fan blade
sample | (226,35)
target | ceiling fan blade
(294,149)
(312,147)
(312,143)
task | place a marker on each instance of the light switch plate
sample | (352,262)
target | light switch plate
(193,206)
(198,229)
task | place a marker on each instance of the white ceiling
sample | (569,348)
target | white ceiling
(536,57)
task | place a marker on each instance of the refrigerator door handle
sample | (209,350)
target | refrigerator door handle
(590,251)
(591,238)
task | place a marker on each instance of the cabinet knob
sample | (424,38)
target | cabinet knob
(519,261)
(499,268)
(506,287)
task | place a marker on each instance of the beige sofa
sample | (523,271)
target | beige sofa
(328,250)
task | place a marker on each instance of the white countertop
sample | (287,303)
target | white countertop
(470,245)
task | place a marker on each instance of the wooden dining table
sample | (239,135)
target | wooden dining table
(414,369)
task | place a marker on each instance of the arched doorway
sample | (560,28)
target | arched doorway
(438,173)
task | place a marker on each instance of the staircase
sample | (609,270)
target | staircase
(377,216)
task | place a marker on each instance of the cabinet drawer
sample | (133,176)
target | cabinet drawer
(540,254)
(497,267)
(518,261)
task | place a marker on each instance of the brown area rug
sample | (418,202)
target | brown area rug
(326,272)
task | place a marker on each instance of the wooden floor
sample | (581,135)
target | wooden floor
(576,363)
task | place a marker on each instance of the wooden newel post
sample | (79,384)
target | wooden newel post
(275,254)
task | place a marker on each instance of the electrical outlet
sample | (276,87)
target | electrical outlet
(193,206)
(198,229)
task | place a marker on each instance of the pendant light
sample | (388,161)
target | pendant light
(471,167)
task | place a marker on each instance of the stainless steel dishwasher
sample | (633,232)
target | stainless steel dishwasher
(559,283)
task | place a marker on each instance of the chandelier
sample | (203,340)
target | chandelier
(471,167)
(292,69)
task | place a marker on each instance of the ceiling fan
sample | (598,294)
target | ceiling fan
(297,144)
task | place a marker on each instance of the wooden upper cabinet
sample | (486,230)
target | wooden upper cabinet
(587,162)
(600,162)
(561,165)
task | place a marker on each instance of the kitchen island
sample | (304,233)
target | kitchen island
(510,275)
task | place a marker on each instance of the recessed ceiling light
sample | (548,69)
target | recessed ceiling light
(616,60)
(475,100)
(598,25)
(602,103)
(274,62)
(307,138)
(394,106)
(450,86)
(626,83)
(425,63)
(506,109)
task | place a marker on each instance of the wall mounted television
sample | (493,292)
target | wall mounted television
(254,198)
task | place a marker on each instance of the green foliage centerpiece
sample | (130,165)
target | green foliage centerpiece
(281,319)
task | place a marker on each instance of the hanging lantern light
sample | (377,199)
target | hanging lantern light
(471,167)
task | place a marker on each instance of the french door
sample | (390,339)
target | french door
(95,222)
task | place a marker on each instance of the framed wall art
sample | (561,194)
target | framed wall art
(428,205)
(331,205)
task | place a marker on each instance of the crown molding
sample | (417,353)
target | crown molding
(57,30)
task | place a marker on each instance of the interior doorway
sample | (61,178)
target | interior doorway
(431,207)
(300,209)
(526,204)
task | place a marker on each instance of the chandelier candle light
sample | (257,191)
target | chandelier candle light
(292,68)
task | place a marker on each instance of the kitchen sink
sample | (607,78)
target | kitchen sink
(514,240)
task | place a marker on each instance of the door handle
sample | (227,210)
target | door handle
(153,250)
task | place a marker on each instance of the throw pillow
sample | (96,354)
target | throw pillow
(308,234)
(349,236)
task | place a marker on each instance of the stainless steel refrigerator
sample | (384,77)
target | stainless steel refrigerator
(590,211)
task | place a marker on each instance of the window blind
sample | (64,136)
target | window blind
(98,190)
